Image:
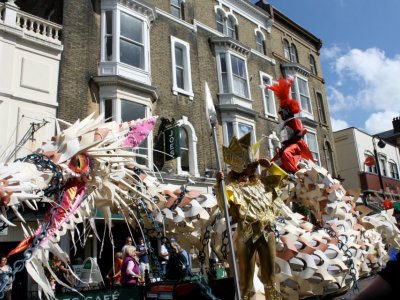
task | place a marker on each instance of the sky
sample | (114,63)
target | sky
(360,57)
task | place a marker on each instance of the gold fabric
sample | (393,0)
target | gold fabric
(255,210)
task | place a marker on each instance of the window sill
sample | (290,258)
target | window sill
(177,91)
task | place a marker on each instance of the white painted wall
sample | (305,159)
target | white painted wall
(351,145)
(28,81)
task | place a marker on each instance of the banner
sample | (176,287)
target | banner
(172,145)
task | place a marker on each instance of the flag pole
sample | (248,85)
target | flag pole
(212,119)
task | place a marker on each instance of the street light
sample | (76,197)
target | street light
(381,144)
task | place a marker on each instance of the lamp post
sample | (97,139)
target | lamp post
(381,144)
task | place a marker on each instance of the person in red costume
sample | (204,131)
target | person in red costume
(291,130)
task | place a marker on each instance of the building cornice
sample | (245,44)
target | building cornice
(123,82)
(229,43)
(238,109)
(296,68)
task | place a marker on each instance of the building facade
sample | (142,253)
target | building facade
(130,59)
(359,154)
(30,53)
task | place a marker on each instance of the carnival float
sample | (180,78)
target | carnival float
(288,236)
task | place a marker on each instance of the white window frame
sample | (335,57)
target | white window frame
(394,172)
(313,65)
(192,143)
(313,132)
(273,143)
(187,74)
(230,76)
(226,17)
(113,65)
(293,53)
(260,46)
(382,164)
(321,108)
(116,116)
(373,168)
(297,96)
(179,8)
(236,121)
(286,49)
(231,30)
(271,97)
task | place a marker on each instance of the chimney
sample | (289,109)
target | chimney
(396,125)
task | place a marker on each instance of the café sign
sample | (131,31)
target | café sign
(172,143)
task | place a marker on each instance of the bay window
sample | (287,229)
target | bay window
(233,74)
(312,142)
(125,42)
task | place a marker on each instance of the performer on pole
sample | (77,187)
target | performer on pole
(291,130)
(255,209)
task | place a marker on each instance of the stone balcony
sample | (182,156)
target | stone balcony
(17,22)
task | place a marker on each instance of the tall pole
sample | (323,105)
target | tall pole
(212,119)
(378,167)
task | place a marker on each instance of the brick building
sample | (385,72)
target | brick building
(136,58)
(132,59)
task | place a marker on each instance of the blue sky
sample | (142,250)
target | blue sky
(360,57)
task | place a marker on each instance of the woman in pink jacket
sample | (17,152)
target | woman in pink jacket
(130,274)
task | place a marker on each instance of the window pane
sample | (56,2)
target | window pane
(286,51)
(108,110)
(321,108)
(179,56)
(313,65)
(239,76)
(220,21)
(243,129)
(231,27)
(311,140)
(108,36)
(184,139)
(131,28)
(176,8)
(109,15)
(304,97)
(179,67)
(260,43)
(131,54)
(179,78)
(132,111)
(224,74)
(229,129)
(268,100)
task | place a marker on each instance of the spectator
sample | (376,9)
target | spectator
(177,265)
(164,254)
(142,252)
(114,275)
(130,275)
(63,274)
(128,242)
(176,245)
(4,269)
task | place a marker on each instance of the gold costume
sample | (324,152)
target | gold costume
(255,210)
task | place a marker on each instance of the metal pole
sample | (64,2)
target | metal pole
(226,215)
(378,168)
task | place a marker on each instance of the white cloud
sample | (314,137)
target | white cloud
(374,76)
(338,101)
(338,124)
(380,121)
(330,52)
